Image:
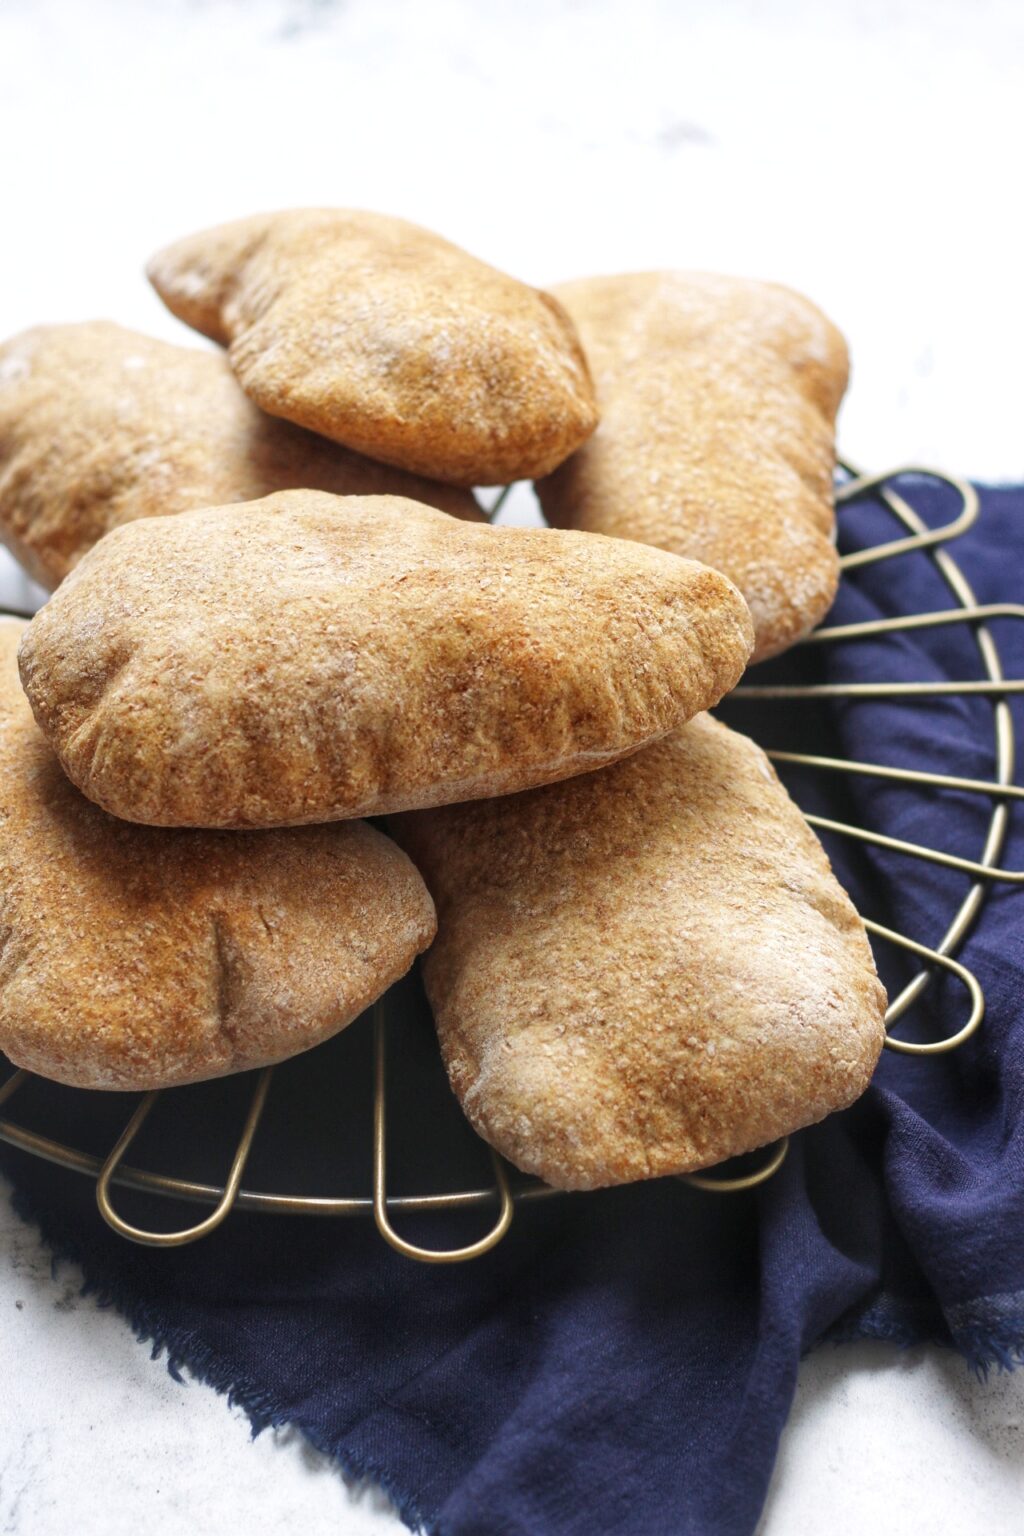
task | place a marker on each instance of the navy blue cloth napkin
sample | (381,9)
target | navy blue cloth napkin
(625,1361)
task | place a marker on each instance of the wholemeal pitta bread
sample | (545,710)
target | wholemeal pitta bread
(718,401)
(387,338)
(99,425)
(307,658)
(138,959)
(647,969)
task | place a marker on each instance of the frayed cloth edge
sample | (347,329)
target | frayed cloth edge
(982,1346)
(184,1352)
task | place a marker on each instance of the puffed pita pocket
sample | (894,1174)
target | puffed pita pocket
(645,970)
(718,401)
(136,958)
(100,425)
(387,338)
(308,658)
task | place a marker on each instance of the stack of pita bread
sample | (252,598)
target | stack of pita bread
(278,610)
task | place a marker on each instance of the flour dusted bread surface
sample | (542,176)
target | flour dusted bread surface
(647,969)
(135,958)
(307,658)
(100,425)
(718,400)
(389,339)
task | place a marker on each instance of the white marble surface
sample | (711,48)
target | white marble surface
(865,152)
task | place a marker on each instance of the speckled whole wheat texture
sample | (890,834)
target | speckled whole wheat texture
(645,970)
(718,401)
(306,658)
(137,958)
(387,338)
(100,425)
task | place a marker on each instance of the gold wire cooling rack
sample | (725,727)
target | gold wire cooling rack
(1000,790)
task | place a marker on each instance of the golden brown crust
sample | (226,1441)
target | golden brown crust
(647,969)
(718,401)
(100,425)
(135,958)
(389,339)
(306,658)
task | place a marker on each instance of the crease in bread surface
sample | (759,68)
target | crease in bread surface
(387,338)
(136,958)
(718,400)
(100,425)
(645,970)
(309,658)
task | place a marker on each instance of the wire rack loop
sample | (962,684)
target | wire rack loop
(859,485)
(896,1010)
(380,1200)
(229,1194)
(719,1186)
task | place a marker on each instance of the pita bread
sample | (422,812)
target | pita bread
(718,401)
(308,657)
(647,969)
(388,339)
(139,959)
(99,425)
